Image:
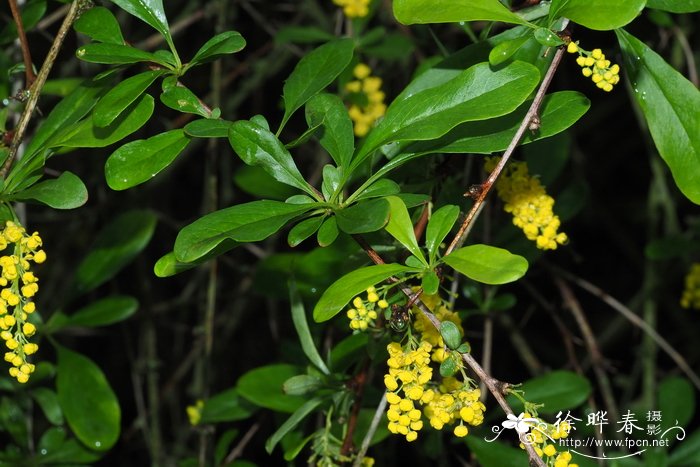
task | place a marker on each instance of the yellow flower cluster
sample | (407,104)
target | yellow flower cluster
(525,198)
(354,8)
(455,401)
(194,412)
(428,331)
(596,67)
(19,285)
(543,438)
(363,315)
(367,99)
(691,293)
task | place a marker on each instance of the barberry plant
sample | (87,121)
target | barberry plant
(378,187)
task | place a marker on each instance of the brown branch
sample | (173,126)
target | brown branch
(530,118)
(35,90)
(24,44)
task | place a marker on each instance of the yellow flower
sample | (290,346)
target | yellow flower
(194,412)
(691,293)
(367,97)
(596,67)
(354,8)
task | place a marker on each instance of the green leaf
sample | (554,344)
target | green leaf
(183,100)
(208,128)
(255,181)
(256,145)
(226,406)
(670,105)
(487,264)
(121,96)
(262,386)
(31,12)
(313,73)
(448,367)
(496,454)
(547,38)
(601,15)
(676,400)
(337,137)
(291,423)
(302,35)
(249,222)
(449,11)
(331,180)
(450,334)
(364,216)
(115,246)
(115,54)
(503,51)
(381,188)
(478,93)
(65,192)
(94,416)
(48,401)
(148,11)
(304,230)
(104,312)
(557,390)
(558,112)
(222,44)
(100,25)
(439,225)
(301,385)
(139,161)
(302,327)
(687,454)
(328,232)
(86,134)
(168,265)
(347,287)
(430,282)
(401,228)
(675,6)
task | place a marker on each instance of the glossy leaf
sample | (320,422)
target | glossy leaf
(596,14)
(401,228)
(449,11)
(450,334)
(558,112)
(302,327)
(291,423)
(331,180)
(48,401)
(114,54)
(430,282)
(381,188)
(255,181)
(557,390)
(364,216)
(547,38)
(115,246)
(121,96)
(183,100)
(449,366)
(65,192)
(226,406)
(503,51)
(347,287)
(304,230)
(104,312)
(487,264)
(262,386)
(675,6)
(100,25)
(439,225)
(301,385)
(337,137)
(670,105)
(328,232)
(222,44)
(86,134)
(676,400)
(148,11)
(257,146)
(139,161)
(248,222)
(314,72)
(208,128)
(478,93)
(94,416)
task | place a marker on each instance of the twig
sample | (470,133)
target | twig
(238,450)
(528,120)
(374,424)
(38,84)
(24,44)
(637,321)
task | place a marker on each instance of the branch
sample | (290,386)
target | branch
(35,90)
(23,43)
(531,120)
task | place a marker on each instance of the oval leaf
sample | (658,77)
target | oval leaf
(139,161)
(450,334)
(148,11)
(303,230)
(676,400)
(401,228)
(183,100)
(100,25)
(300,385)
(675,6)
(208,128)
(114,54)
(121,96)
(248,222)
(314,72)
(263,387)
(347,287)
(503,51)
(104,312)
(337,137)
(670,105)
(439,225)
(222,44)
(88,402)
(363,217)
(449,11)
(226,406)
(115,246)
(558,390)
(596,14)
(65,192)
(328,232)
(487,264)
